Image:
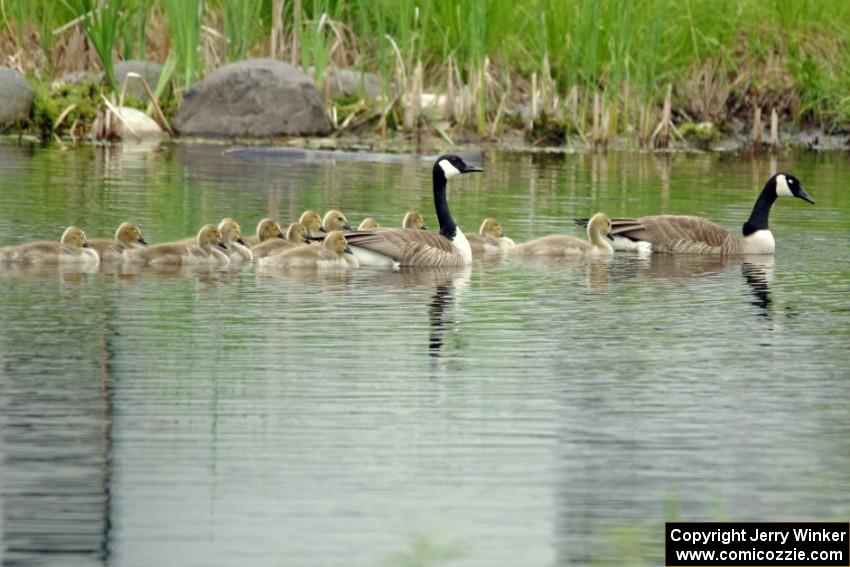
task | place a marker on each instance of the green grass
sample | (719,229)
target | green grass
(793,54)
(184,31)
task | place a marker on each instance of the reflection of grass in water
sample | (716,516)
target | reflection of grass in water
(425,551)
(625,545)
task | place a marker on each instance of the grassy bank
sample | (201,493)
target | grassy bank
(553,68)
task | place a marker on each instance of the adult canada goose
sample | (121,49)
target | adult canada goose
(331,254)
(231,235)
(562,245)
(413,220)
(334,220)
(312,221)
(209,249)
(696,235)
(411,247)
(490,239)
(128,236)
(368,224)
(72,248)
(266,229)
(296,235)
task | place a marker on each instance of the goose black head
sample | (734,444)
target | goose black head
(451,165)
(786,185)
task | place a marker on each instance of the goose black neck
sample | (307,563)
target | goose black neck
(448,228)
(761,211)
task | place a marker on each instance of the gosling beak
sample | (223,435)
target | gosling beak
(241,241)
(801,193)
(609,237)
(86,244)
(222,245)
(322,229)
(141,240)
(281,235)
(423,227)
(346,226)
(348,250)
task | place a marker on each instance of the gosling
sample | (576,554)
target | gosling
(334,220)
(231,235)
(490,239)
(128,236)
(296,235)
(413,220)
(368,224)
(208,250)
(333,254)
(266,229)
(72,248)
(312,221)
(561,245)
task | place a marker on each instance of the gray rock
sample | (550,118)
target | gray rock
(257,98)
(15,97)
(150,71)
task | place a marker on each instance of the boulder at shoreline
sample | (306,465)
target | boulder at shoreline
(15,97)
(256,98)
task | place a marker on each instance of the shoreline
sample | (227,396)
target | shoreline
(816,140)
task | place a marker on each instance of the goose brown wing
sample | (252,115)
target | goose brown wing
(673,233)
(407,246)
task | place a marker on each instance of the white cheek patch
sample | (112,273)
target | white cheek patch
(448,169)
(782,189)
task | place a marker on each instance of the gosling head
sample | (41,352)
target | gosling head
(210,236)
(413,220)
(449,165)
(336,242)
(786,185)
(491,227)
(230,231)
(268,229)
(335,220)
(297,232)
(312,221)
(368,224)
(74,237)
(599,224)
(130,235)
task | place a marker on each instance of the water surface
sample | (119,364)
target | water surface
(513,413)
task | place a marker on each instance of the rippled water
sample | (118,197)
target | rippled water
(515,413)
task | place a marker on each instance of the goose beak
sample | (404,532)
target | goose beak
(348,250)
(241,241)
(472,169)
(805,196)
(142,240)
(222,245)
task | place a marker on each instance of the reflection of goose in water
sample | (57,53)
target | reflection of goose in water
(755,268)
(448,284)
(757,272)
